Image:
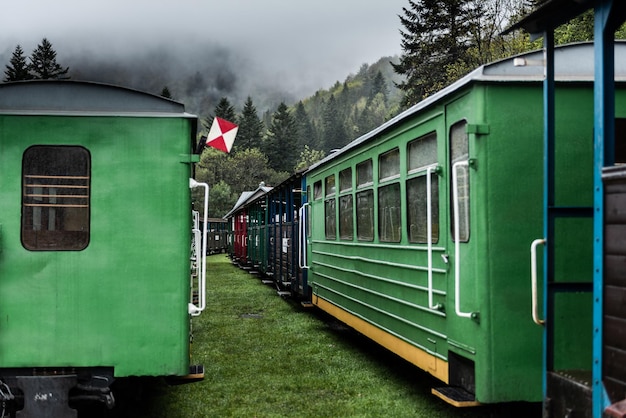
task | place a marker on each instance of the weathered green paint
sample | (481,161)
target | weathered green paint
(122,301)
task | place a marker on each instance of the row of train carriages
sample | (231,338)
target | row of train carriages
(423,234)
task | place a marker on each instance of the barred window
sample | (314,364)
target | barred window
(55,198)
(346,217)
(365,215)
(389,220)
(330,224)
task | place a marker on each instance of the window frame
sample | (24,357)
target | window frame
(56,198)
(425,147)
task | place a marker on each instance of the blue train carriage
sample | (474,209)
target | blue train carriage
(89,294)
(420,231)
(286,263)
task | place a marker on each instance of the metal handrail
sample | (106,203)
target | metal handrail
(457,250)
(302,247)
(193,309)
(533,279)
(429,232)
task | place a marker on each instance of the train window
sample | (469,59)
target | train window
(317,190)
(389,221)
(389,164)
(364,173)
(346,229)
(459,157)
(330,224)
(422,152)
(365,215)
(417,209)
(330,185)
(345,180)
(55,198)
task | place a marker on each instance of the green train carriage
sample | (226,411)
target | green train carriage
(420,232)
(95,238)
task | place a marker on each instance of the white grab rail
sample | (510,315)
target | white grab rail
(196,247)
(457,250)
(533,279)
(302,248)
(429,232)
(193,309)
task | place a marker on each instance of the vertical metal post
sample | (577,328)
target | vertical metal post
(604,155)
(548,201)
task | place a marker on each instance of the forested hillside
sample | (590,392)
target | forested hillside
(271,146)
(278,132)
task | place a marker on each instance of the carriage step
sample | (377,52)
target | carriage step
(196,374)
(306,304)
(255,272)
(456,396)
(267,281)
(283,293)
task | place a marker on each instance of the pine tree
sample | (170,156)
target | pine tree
(17,70)
(280,146)
(43,63)
(251,128)
(334,131)
(379,86)
(306,130)
(223,110)
(437,35)
(166,93)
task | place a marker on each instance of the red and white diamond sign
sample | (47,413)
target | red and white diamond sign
(222,134)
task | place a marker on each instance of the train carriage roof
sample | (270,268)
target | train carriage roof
(246,198)
(82,97)
(573,63)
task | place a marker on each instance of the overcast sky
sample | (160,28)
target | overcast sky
(309,43)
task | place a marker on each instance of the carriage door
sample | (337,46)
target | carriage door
(459,209)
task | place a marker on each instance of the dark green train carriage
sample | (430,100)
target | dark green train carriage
(420,231)
(94,242)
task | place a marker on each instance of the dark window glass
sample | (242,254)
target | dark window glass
(330,185)
(365,215)
(55,198)
(389,164)
(389,210)
(364,173)
(317,190)
(330,226)
(459,153)
(346,217)
(417,214)
(422,152)
(345,180)
(422,155)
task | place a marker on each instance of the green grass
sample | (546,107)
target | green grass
(268,357)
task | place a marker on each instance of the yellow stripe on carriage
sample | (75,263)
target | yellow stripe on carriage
(425,361)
